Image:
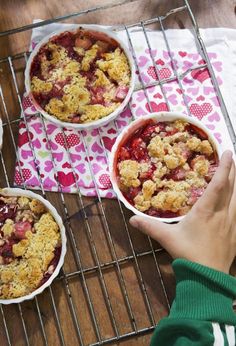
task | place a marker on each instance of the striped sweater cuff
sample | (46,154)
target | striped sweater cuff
(203,293)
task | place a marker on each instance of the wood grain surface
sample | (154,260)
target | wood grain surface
(89,237)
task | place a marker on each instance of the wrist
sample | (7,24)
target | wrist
(203,293)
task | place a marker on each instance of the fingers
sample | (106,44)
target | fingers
(219,186)
(153,228)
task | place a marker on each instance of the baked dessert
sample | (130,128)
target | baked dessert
(30,245)
(164,167)
(80,76)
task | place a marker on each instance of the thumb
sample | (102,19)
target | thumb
(153,228)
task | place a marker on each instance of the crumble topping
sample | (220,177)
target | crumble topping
(129,170)
(163,168)
(30,244)
(80,77)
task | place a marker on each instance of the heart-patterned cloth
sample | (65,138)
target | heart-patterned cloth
(75,160)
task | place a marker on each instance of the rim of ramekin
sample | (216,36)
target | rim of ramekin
(19,192)
(131,128)
(92,124)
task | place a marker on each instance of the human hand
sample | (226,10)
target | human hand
(207,234)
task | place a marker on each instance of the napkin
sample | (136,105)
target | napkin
(83,164)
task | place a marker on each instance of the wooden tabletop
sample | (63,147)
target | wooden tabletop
(142,280)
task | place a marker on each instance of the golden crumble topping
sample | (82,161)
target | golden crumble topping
(141,203)
(156,148)
(129,171)
(116,65)
(74,70)
(95,112)
(201,165)
(206,148)
(163,168)
(39,86)
(149,187)
(27,248)
(169,200)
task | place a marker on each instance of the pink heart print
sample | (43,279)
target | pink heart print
(96,148)
(37,127)
(193,91)
(218,137)
(200,111)
(26,153)
(48,166)
(173,99)
(81,168)
(199,94)
(200,98)
(153,52)
(214,117)
(142,61)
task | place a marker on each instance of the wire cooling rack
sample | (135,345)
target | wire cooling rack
(110,288)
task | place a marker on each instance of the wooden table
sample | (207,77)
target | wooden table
(99,239)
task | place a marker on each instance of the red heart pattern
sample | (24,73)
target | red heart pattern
(108,142)
(71,140)
(182,54)
(24,138)
(201,75)
(163,73)
(66,179)
(161,107)
(104,180)
(26,175)
(199,79)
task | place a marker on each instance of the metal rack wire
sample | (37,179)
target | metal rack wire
(117,262)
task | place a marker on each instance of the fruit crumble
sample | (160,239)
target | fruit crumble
(164,167)
(80,76)
(30,245)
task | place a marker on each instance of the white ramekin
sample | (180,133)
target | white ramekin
(128,131)
(96,123)
(52,210)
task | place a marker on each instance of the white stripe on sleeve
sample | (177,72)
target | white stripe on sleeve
(230,333)
(218,336)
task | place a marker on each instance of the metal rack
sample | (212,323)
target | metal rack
(87,208)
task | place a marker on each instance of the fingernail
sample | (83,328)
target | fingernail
(133,221)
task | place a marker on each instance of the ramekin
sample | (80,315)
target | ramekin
(52,210)
(128,131)
(92,124)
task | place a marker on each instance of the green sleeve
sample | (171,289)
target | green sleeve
(202,310)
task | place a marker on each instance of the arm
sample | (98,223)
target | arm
(206,241)
(203,295)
